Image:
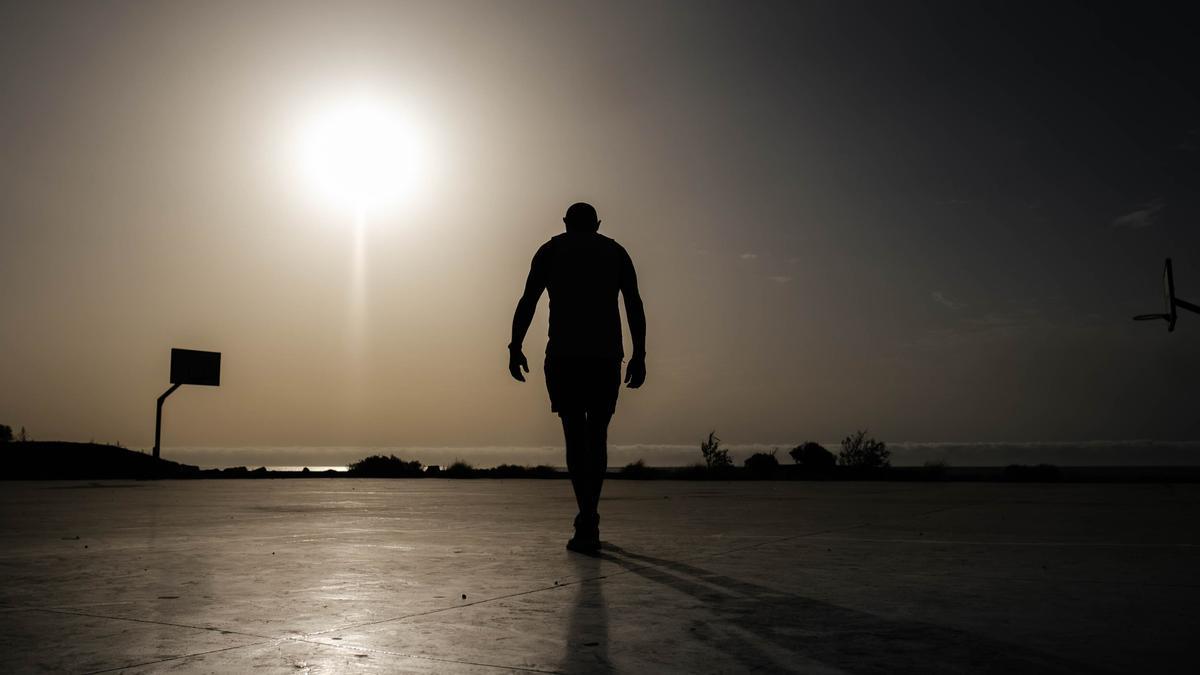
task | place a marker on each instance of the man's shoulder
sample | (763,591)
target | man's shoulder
(610,242)
(601,241)
(594,238)
(547,247)
(572,244)
(617,248)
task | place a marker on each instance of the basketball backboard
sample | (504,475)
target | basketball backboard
(1172,303)
(189,366)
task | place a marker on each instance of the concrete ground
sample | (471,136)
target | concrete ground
(343,575)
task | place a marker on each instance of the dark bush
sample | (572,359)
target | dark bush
(459,469)
(378,466)
(762,464)
(6,434)
(693,472)
(934,469)
(861,452)
(635,470)
(544,471)
(1042,473)
(812,455)
(518,471)
(509,471)
(715,458)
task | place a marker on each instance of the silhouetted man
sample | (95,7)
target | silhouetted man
(583,271)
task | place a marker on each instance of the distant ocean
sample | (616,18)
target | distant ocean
(1088,453)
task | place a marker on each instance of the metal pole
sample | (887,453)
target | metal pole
(1187,305)
(158,417)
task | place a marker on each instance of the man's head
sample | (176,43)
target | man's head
(581,217)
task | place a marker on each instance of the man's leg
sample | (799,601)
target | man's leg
(576,437)
(597,456)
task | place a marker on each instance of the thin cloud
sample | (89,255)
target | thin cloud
(748,256)
(1141,218)
(941,298)
(780,278)
(999,320)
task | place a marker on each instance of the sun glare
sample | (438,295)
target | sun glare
(359,155)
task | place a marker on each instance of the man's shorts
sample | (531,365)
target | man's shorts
(579,384)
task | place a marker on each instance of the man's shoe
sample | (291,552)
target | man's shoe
(587,534)
(583,544)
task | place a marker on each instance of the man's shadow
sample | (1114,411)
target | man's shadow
(587,633)
(764,628)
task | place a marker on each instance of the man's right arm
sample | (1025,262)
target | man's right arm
(523,316)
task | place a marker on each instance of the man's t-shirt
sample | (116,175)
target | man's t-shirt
(583,273)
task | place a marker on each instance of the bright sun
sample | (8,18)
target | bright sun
(359,155)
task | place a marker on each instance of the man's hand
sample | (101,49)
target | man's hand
(517,362)
(635,372)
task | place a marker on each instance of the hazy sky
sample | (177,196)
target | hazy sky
(925,219)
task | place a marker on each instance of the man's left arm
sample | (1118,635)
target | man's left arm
(635,373)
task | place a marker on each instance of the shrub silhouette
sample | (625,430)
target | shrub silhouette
(1042,473)
(459,469)
(378,466)
(518,471)
(693,472)
(6,434)
(762,464)
(861,452)
(812,455)
(934,469)
(635,469)
(715,458)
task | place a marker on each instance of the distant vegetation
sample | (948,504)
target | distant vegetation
(636,470)
(715,458)
(1042,473)
(515,471)
(935,469)
(762,464)
(378,466)
(6,435)
(861,458)
(861,452)
(460,469)
(813,456)
(860,455)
